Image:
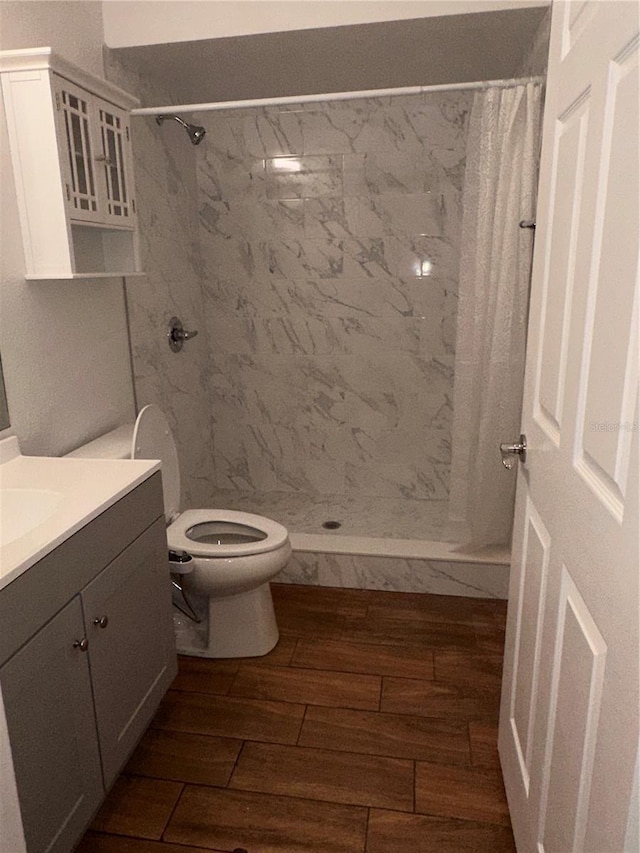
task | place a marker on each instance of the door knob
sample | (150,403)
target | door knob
(510,452)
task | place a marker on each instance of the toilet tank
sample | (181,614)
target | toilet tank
(148,438)
(112,445)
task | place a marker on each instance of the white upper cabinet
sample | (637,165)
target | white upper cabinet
(94,136)
(71,153)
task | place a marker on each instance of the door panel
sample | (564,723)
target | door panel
(569,716)
(568,166)
(576,696)
(610,361)
(524,688)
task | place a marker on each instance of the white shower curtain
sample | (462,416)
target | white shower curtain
(495,259)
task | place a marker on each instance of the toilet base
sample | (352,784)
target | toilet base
(239,626)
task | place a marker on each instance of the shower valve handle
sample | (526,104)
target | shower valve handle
(177,334)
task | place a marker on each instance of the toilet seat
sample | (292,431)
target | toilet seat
(272,535)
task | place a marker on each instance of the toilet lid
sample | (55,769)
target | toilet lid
(152,439)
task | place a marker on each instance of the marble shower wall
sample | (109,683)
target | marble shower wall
(166,189)
(330,240)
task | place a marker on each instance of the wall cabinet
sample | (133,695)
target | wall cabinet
(81,690)
(71,153)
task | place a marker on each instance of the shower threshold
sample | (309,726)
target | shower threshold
(381,543)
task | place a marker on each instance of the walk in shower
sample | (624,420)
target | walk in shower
(327,248)
(330,236)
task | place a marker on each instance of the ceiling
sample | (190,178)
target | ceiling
(418,52)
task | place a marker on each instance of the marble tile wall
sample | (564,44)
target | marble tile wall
(166,188)
(329,237)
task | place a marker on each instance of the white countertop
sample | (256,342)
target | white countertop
(67,492)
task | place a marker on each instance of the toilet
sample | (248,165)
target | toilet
(221,560)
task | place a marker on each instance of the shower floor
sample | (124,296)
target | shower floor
(387,518)
(382,543)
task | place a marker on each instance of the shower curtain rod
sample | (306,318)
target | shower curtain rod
(333,96)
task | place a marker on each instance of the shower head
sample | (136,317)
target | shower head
(196,133)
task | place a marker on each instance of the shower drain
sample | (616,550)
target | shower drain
(331,525)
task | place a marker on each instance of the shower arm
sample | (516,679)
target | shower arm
(160,119)
(195,132)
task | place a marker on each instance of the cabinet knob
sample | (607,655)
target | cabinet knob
(82,644)
(101,621)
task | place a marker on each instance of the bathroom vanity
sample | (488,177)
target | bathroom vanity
(86,642)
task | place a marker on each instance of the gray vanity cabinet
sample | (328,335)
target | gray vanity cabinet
(87,651)
(46,688)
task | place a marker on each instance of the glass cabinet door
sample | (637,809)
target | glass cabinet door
(95,156)
(114,145)
(79,167)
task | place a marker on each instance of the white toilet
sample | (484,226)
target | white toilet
(234,555)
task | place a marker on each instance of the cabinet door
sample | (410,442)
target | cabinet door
(47,695)
(75,113)
(113,141)
(127,609)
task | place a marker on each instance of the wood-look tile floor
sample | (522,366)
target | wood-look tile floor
(370,728)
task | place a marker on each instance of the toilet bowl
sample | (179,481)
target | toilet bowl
(227,557)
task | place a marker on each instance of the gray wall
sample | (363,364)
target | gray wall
(536,57)
(454,48)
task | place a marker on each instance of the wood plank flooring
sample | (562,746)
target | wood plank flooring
(370,728)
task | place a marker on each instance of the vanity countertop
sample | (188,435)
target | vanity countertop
(45,500)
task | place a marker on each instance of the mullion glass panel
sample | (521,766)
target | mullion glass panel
(79,154)
(87,139)
(105,151)
(113,165)
(111,129)
(122,174)
(79,149)
(72,171)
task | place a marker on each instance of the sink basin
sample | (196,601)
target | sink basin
(44,500)
(22,510)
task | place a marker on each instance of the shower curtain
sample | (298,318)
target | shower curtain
(495,262)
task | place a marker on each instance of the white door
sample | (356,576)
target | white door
(569,716)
